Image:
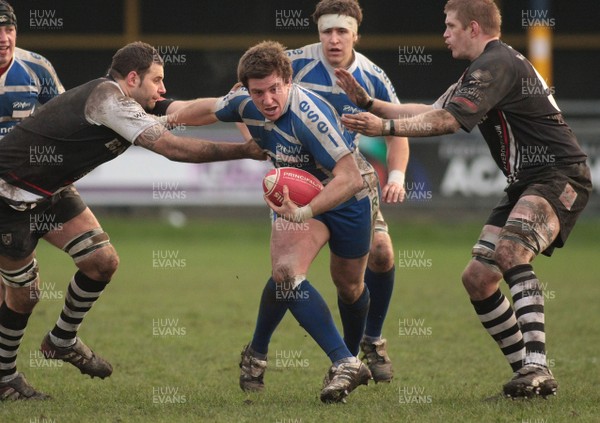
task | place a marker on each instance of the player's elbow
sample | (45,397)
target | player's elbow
(166,145)
(449,123)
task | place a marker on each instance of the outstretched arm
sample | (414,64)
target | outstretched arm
(381,108)
(198,112)
(194,150)
(428,124)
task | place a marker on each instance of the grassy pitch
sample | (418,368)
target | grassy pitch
(184,301)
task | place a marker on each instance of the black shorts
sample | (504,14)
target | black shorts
(566,187)
(21,230)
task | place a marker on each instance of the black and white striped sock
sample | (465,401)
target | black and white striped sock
(81,295)
(528,300)
(12,329)
(498,318)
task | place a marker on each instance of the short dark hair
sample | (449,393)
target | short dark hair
(338,7)
(262,60)
(137,56)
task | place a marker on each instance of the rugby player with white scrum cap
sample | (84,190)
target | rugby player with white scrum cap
(314,67)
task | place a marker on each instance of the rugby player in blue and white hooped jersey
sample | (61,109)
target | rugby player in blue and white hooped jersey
(303,130)
(299,128)
(26,78)
(314,67)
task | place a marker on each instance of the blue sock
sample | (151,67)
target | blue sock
(270,313)
(380,286)
(311,311)
(354,318)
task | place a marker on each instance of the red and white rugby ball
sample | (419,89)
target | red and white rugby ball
(303,186)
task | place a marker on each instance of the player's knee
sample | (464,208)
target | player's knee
(93,254)
(482,275)
(285,278)
(280,274)
(519,242)
(381,255)
(22,292)
(23,277)
(483,253)
(349,294)
(469,277)
(480,279)
(102,264)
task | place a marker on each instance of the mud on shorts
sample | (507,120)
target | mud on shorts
(566,187)
(20,231)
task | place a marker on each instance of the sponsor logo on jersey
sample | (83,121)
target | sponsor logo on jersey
(22,105)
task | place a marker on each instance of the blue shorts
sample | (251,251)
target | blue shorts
(351,227)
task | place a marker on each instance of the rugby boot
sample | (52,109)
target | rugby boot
(378,361)
(343,379)
(252,371)
(531,380)
(19,389)
(79,355)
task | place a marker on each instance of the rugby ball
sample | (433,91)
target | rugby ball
(302,185)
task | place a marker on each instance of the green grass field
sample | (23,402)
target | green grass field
(184,301)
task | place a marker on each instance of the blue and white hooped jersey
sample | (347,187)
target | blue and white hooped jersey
(308,135)
(312,71)
(29,80)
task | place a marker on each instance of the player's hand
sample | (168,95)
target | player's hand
(236,87)
(254,151)
(365,123)
(288,208)
(393,193)
(355,92)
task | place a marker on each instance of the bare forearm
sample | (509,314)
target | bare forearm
(394,111)
(337,191)
(194,150)
(201,151)
(431,123)
(397,153)
(193,112)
